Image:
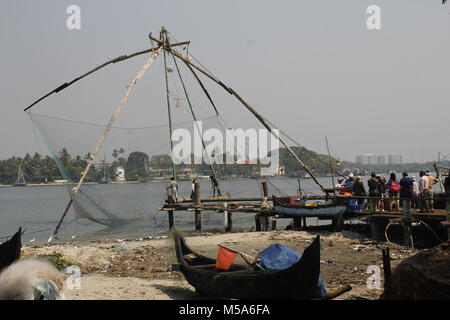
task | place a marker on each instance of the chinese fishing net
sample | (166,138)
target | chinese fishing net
(135,156)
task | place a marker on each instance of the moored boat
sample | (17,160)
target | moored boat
(249,282)
(302,209)
(10,250)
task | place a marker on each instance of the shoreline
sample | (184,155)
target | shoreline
(141,268)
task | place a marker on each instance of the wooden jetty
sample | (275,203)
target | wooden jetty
(407,219)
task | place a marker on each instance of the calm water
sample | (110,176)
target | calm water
(39,208)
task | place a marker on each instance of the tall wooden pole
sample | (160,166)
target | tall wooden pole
(331,165)
(197,203)
(97,68)
(164,39)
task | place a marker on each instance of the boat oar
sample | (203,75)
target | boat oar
(246,257)
(337,293)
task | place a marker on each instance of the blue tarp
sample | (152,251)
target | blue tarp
(278,257)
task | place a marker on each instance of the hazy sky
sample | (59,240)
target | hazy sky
(312,67)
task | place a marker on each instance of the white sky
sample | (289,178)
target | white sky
(312,67)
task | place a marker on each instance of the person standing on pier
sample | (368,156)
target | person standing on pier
(348,185)
(381,191)
(193,189)
(359,190)
(215,187)
(374,190)
(393,192)
(423,191)
(447,185)
(406,191)
(340,182)
(431,182)
(172,192)
(415,195)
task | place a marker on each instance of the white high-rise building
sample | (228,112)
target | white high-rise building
(120,174)
(367,158)
(381,159)
(395,159)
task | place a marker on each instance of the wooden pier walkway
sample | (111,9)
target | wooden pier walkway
(265,215)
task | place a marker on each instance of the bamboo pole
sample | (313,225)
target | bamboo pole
(174,171)
(197,202)
(331,165)
(101,66)
(114,116)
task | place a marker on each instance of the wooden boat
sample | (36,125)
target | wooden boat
(10,250)
(324,210)
(243,282)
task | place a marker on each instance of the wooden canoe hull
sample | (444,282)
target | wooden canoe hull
(241,282)
(320,210)
(10,250)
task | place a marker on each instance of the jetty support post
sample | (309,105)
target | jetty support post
(257,222)
(197,203)
(337,223)
(170,217)
(273,225)
(266,219)
(386,268)
(227,218)
(372,204)
(376,228)
(297,222)
(406,225)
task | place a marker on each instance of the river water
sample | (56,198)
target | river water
(38,208)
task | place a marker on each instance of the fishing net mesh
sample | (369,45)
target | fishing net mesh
(131,155)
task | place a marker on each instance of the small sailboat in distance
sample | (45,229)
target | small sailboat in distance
(20,182)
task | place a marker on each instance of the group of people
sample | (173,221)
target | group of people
(412,193)
(172,190)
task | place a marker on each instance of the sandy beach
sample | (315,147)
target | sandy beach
(141,268)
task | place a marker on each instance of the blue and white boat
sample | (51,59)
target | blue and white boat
(302,209)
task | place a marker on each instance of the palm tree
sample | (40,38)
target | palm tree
(122,151)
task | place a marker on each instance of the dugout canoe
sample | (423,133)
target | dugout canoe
(249,282)
(323,210)
(10,250)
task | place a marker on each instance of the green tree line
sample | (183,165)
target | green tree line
(40,169)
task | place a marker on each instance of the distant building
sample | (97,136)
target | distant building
(367,158)
(273,170)
(395,159)
(120,174)
(381,159)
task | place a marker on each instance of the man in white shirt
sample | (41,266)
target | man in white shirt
(423,191)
